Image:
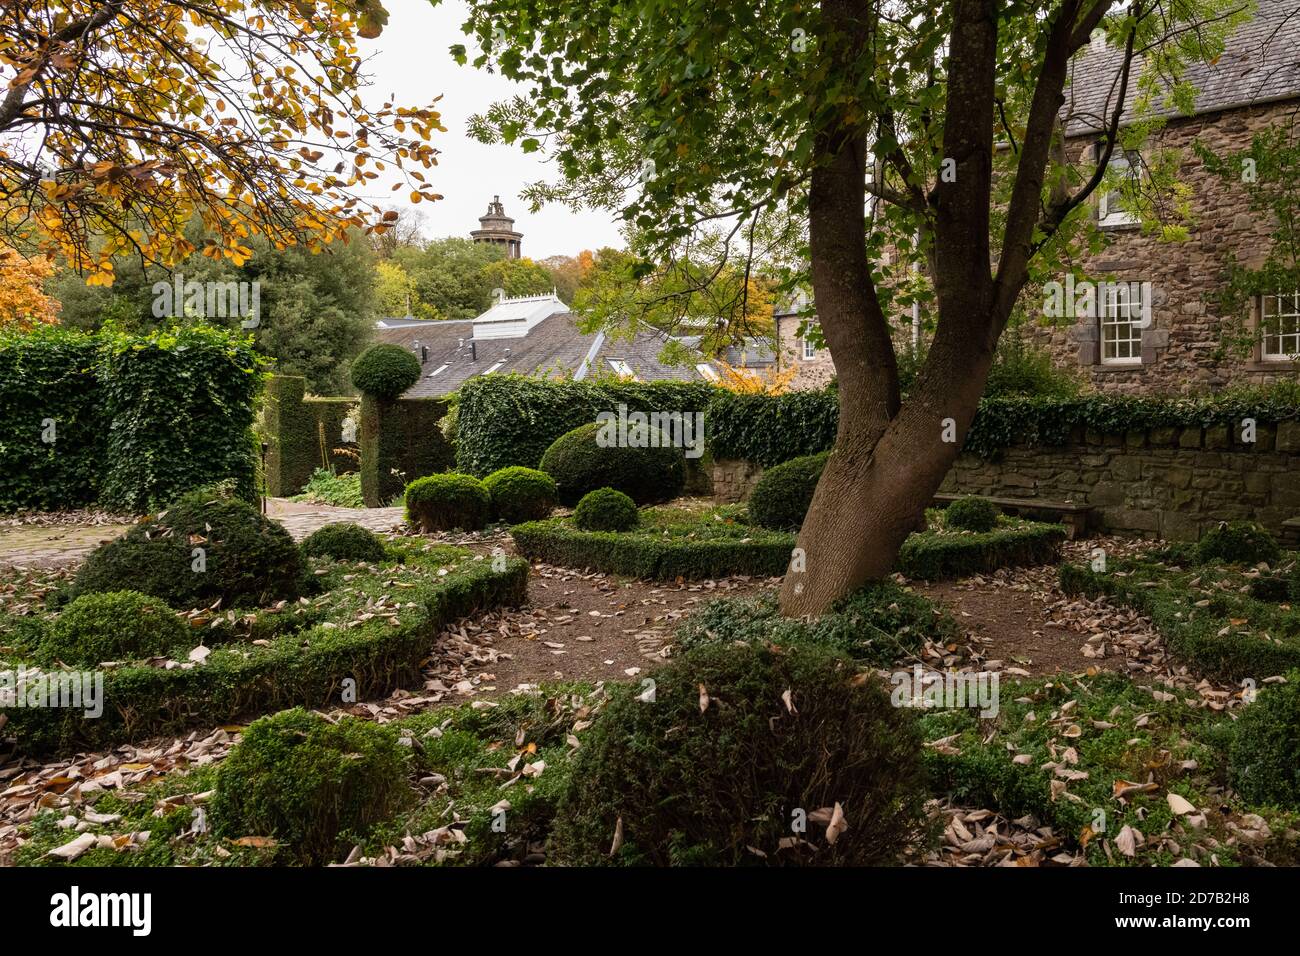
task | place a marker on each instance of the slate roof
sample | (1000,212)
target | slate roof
(554,345)
(1260,64)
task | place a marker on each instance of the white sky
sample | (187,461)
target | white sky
(411,60)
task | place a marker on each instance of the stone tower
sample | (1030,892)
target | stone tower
(498,229)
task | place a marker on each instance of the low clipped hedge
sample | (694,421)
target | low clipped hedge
(201,548)
(1264,752)
(385,370)
(781,498)
(940,555)
(579,464)
(1238,542)
(1204,637)
(739,747)
(520,494)
(113,626)
(656,557)
(447,502)
(344,541)
(301,668)
(971,514)
(605,510)
(316,786)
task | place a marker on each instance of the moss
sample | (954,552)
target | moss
(199,549)
(1264,753)
(782,496)
(314,784)
(605,510)
(580,463)
(114,626)
(344,541)
(447,502)
(520,494)
(726,781)
(971,514)
(1238,543)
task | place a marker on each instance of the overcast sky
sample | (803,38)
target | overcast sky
(411,61)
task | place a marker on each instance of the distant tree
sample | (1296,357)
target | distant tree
(23,302)
(568,273)
(396,293)
(518,277)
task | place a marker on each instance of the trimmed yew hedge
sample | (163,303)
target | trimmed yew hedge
(299,668)
(940,555)
(653,556)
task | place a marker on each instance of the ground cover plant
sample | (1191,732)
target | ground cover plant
(327,488)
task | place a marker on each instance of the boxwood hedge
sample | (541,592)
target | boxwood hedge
(938,555)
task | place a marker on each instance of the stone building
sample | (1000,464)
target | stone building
(498,229)
(1169,335)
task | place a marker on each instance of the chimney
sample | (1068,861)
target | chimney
(424,355)
(473,351)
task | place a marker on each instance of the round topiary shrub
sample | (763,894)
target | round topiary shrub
(385,371)
(972,514)
(1264,753)
(606,510)
(781,498)
(344,541)
(113,626)
(579,463)
(314,785)
(736,742)
(196,551)
(1242,542)
(520,494)
(446,502)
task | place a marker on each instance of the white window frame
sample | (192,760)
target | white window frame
(623,370)
(809,350)
(707,373)
(1119,326)
(494,367)
(1118,215)
(1283,346)
(438,371)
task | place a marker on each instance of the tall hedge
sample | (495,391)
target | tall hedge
(49,390)
(770,429)
(511,420)
(137,420)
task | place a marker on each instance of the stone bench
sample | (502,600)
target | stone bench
(1291,533)
(1075,517)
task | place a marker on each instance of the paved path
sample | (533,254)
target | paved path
(45,545)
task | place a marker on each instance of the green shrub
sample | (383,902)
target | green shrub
(114,626)
(507,420)
(1242,542)
(243,557)
(972,514)
(385,370)
(579,464)
(1264,753)
(938,556)
(770,429)
(782,496)
(446,502)
(1021,368)
(880,625)
(344,541)
(520,494)
(718,767)
(327,488)
(1295,583)
(606,510)
(1270,587)
(310,783)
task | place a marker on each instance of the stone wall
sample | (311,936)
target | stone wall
(1166,482)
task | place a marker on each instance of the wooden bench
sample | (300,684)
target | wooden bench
(1075,517)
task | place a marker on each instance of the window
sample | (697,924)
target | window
(1110,211)
(1121,323)
(495,367)
(809,350)
(623,370)
(1279,327)
(438,371)
(706,372)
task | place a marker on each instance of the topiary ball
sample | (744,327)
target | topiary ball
(1242,542)
(113,626)
(606,510)
(385,371)
(972,514)
(781,498)
(1264,753)
(344,541)
(315,785)
(520,494)
(736,742)
(579,463)
(196,551)
(447,502)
